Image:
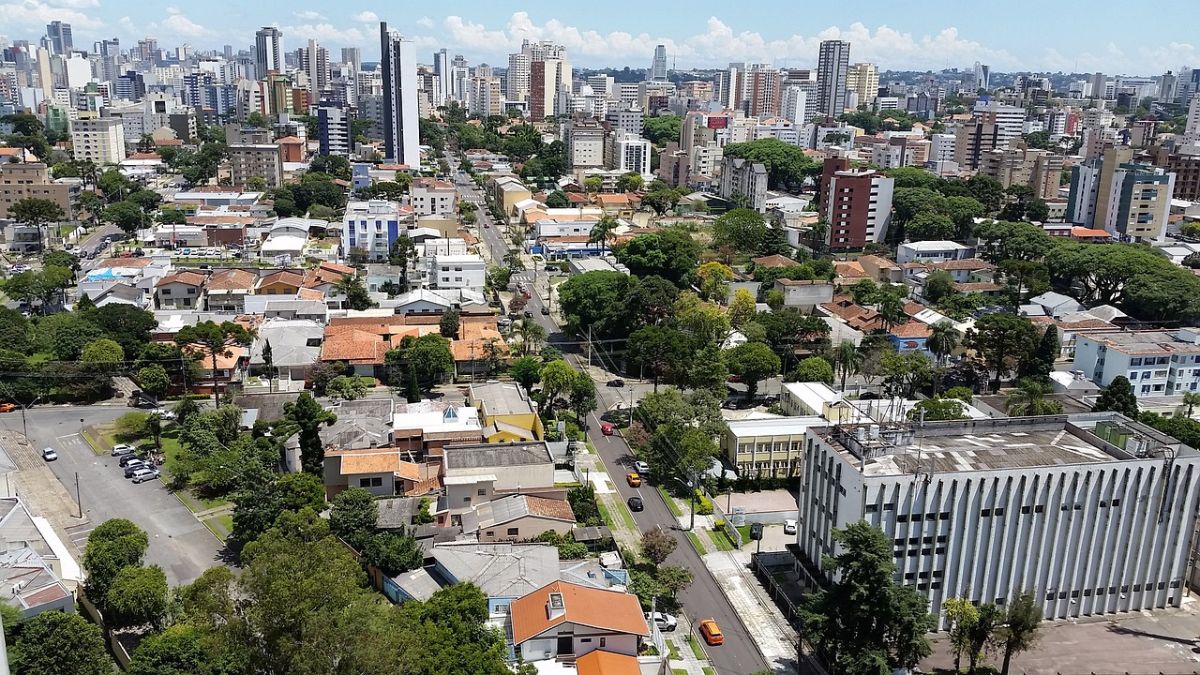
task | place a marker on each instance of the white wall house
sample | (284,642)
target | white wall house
(1157,363)
(458,271)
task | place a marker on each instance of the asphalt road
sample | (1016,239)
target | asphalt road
(492,239)
(179,543)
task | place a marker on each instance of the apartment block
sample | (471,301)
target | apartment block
(433,197)
(1131,201)
(1157,363)
(32,180)
(748,179)
(372,226)
(333,130)
(255,160)
(1017,164)
(1093,513)
(857,205)
(98,139)
(972,140)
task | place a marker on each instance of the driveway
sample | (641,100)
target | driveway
(179,543)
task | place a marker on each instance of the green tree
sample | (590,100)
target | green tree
(448,325)
(943,338)
(752,361)
(558,377)
(1029,399)
(595,299)
(1001,340)
(102,355)
(176,651)
(662,129)
(671,254)
(787,165)
(1118,396)
(904,373)
(582,398)
(1039,363)
(307,416)
(908,202)
(58,643)
(393,553)
(981,632)
(126,215)
(930,226)
(743,229)
(348,387)
(864,622)
(742,307)
(937,409)
(602,231)
(630,182)
(526,370)
(674,578)
(114,545)
(658,545)
(1002,240)
(812,369)
(402,254)
(656,351)
(1019,630)
(36,212)
(355,292)
(214,340)
(137,597)
(848,360)
(431,358)
(961,616)
(353,516)
(713,279)
(938,285)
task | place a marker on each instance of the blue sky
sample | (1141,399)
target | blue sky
(1067,35)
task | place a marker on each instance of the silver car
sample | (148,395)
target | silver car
(144,474)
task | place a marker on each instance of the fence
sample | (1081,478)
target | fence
(761,564)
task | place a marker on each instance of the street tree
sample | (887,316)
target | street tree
(1001,340)
(112,546)
(1118,396)
(656,351)
(558,378)
(674,578)
(864,622)
(216,341)
(57,643)
(137,597)
(1019,630)
(752,361)
(582,398)
(905,373)
(126,215)
(657,545)
(154,380)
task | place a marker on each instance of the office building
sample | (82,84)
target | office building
(744,178)
(59,35)
(333,130)
(983,76)
(441,70)
(862,80)
(832,63)
(268,51)
(99,139)
(972,140)
(857,204)
(1091,513)
(401,139)
(353,57)
(658,66)
(255,160)
(768,448)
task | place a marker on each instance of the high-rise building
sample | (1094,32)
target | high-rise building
(460,75)
(59,34)
(762,87)
(794,104)
(315,63)
(1017,164)
(400,134)
(441,69)
(1099,86)
(99,139)
(857,204)
(1191,128)
(147,49)
(746,179)
(268,51)
(658,67)
(353,57)
(832,64)
(972,140)
(484,95)
(983,76)
(862,79)
(629,153)
(1131,201)
(516,81)
(549,83)
(333,128)
(1009,118)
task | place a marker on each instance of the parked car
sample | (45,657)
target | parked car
(49,454)
(665,622)
(7,407)
(545,311)
(711,632)
(616,382)
(134,466)
(122,449)
(789,526)
(144,474)
(606,428)
(164,413)
(641,467)
(635,504)
(633,479)
(528,314)
(126,460)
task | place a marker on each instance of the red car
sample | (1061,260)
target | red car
(606,428)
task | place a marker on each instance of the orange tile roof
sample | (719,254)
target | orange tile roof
(774,261)
(354,346)
(1087,232)
(310,294)
(290,140)
(613,199)
(232,280)
(186,278)
(225,360)
(878,260)
(600,662)
(370,462)
(550,508)
(285,277)
(965,264)
(850,269)
(978,287)
(614,611)
(911,329)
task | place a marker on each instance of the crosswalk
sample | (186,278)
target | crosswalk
(79,534)
(74,445)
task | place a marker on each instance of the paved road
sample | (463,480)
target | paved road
(489,231)
(179,543)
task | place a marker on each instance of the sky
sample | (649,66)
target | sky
(1043,35)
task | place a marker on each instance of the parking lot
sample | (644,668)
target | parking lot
(179,543)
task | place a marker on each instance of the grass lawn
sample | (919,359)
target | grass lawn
(622,512)
(678,671)
(674,652)
(744,530)
(708,670)
(720,540)
(696,543)
(221,526)
(697,650)
(671,505)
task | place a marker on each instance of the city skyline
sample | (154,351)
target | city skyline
(709,35)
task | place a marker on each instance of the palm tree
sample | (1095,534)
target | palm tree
(601,232)
(1029,399)
(942,340)
(891,310)
(848,360)
(1190,400)
(532,334)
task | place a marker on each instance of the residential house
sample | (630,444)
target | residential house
(227,290)
(479,345)
(506,411)
(926,251)
(295,348)
(563,620)
(906,335)
(476,473)
(964,270)
(122,294)
(289,306)
(1053,305)
(283,282)
(804,294)
(181,290)
(518,517)
(423,429)
(381,471)
(37,572)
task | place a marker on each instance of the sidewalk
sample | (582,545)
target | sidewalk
(775,637)
(682,657)
(39,488)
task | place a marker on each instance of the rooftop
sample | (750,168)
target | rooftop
(1001,444)
(775,426)
(501,398)
(512,507)
(499,570)
(1150,342)
(486,455)
(609,611)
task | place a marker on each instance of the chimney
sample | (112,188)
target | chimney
(555,606)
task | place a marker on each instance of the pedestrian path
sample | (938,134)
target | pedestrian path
(775,637)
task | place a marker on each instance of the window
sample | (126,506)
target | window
(513,531)
(603,642)
(481,492)
(376,481)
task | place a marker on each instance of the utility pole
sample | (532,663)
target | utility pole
(78,499)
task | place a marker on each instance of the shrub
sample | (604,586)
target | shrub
(704,505)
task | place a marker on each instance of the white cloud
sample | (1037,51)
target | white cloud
(366,17)
(36,14)
(75,4)
(425,22)
(325,33)
(172,9)
(310,15)
(183,26)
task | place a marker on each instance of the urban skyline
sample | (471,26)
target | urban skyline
(937,37)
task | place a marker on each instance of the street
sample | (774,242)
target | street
(179,543)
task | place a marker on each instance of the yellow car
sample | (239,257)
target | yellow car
(633,479)
(711,632)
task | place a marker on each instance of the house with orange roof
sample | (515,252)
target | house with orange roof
(601,662)
(283,282)
(773,261)
(568,621)
(180,290)
(227,290)
(519,517)
(383,472)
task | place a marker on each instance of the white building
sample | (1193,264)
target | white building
(748,179)
(372,226)
(100,140)
(585,145)
(630,153)
(458,271)
(1009,118)
(1092,513)
(1157,363)
(932,251)
(432,197)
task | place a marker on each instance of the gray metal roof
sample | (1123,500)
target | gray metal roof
(499,570)
(482,455)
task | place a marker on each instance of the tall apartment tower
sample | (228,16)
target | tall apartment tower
(658,67)
(441,69)
(398,58)
(983,76)
(59,34)
(1099,86)
(315,63)
(549,83)
(1191,128)
(516,81)
(832,64)
(857,204)
(353,57)
(268,51)
(863,80)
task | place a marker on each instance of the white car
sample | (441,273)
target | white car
(49,454)
(641,467)
(164,413)
(665,622)
(789,526)
(121,449)
(144,474)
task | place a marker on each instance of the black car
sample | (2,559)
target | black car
(635,504)
(126,459)
(545,311)
(133,466)
(618,383)
(528,314)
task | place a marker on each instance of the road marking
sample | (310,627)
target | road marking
(62,438)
